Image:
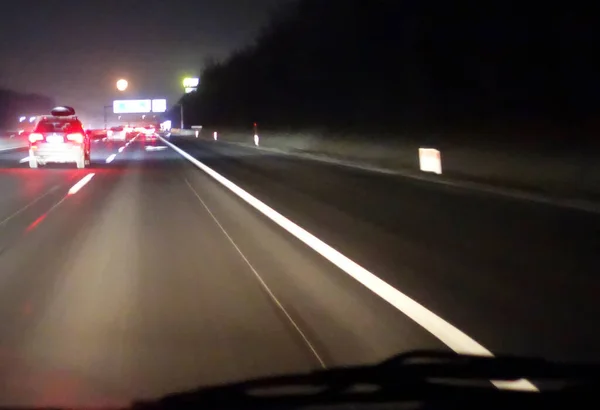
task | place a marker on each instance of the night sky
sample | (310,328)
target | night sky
(75,50)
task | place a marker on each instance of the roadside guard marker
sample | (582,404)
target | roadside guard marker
(430,160)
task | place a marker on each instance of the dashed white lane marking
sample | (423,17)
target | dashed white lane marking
(112,157)
(447,333)
(158,148)
(260,279)
(81,183)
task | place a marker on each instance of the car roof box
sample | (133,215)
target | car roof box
(62,111)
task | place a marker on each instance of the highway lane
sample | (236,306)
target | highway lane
(152,278)
(518,277)
(7,143)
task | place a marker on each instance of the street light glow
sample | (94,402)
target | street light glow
(191,82)
(122,84)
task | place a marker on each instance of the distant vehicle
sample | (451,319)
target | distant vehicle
(59,138)
(148,131)
(151,136)
(117,133)
(130,132)
(27,124)
(97,135)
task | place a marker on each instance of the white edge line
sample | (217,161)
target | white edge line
(448,334)
(24,160)
(260,279)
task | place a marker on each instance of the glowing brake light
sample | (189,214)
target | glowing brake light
(77,137)
(33,137)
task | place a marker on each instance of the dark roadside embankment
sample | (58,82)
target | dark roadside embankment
(556,171)
(507,94)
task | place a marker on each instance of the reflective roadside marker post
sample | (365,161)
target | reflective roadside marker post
(197,129)
(430,160)
(215,135)
(256,139)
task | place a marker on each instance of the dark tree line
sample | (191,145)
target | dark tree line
(410,66)
(14,104)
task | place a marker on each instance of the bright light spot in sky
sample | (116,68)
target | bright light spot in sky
(122,85)
(191,82)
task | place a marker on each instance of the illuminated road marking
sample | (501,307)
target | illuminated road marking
(75,188)
(447,333)
(159,148)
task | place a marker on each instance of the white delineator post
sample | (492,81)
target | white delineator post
(430,160)
(256,139)
(215,135)
(198,129)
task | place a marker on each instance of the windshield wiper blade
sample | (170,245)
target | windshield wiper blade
(437,364)
(415,376)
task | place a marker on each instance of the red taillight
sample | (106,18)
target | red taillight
(77,137)
(34,137)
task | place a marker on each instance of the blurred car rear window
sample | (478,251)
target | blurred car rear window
(59,125)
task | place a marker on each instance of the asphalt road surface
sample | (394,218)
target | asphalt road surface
(154,278)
